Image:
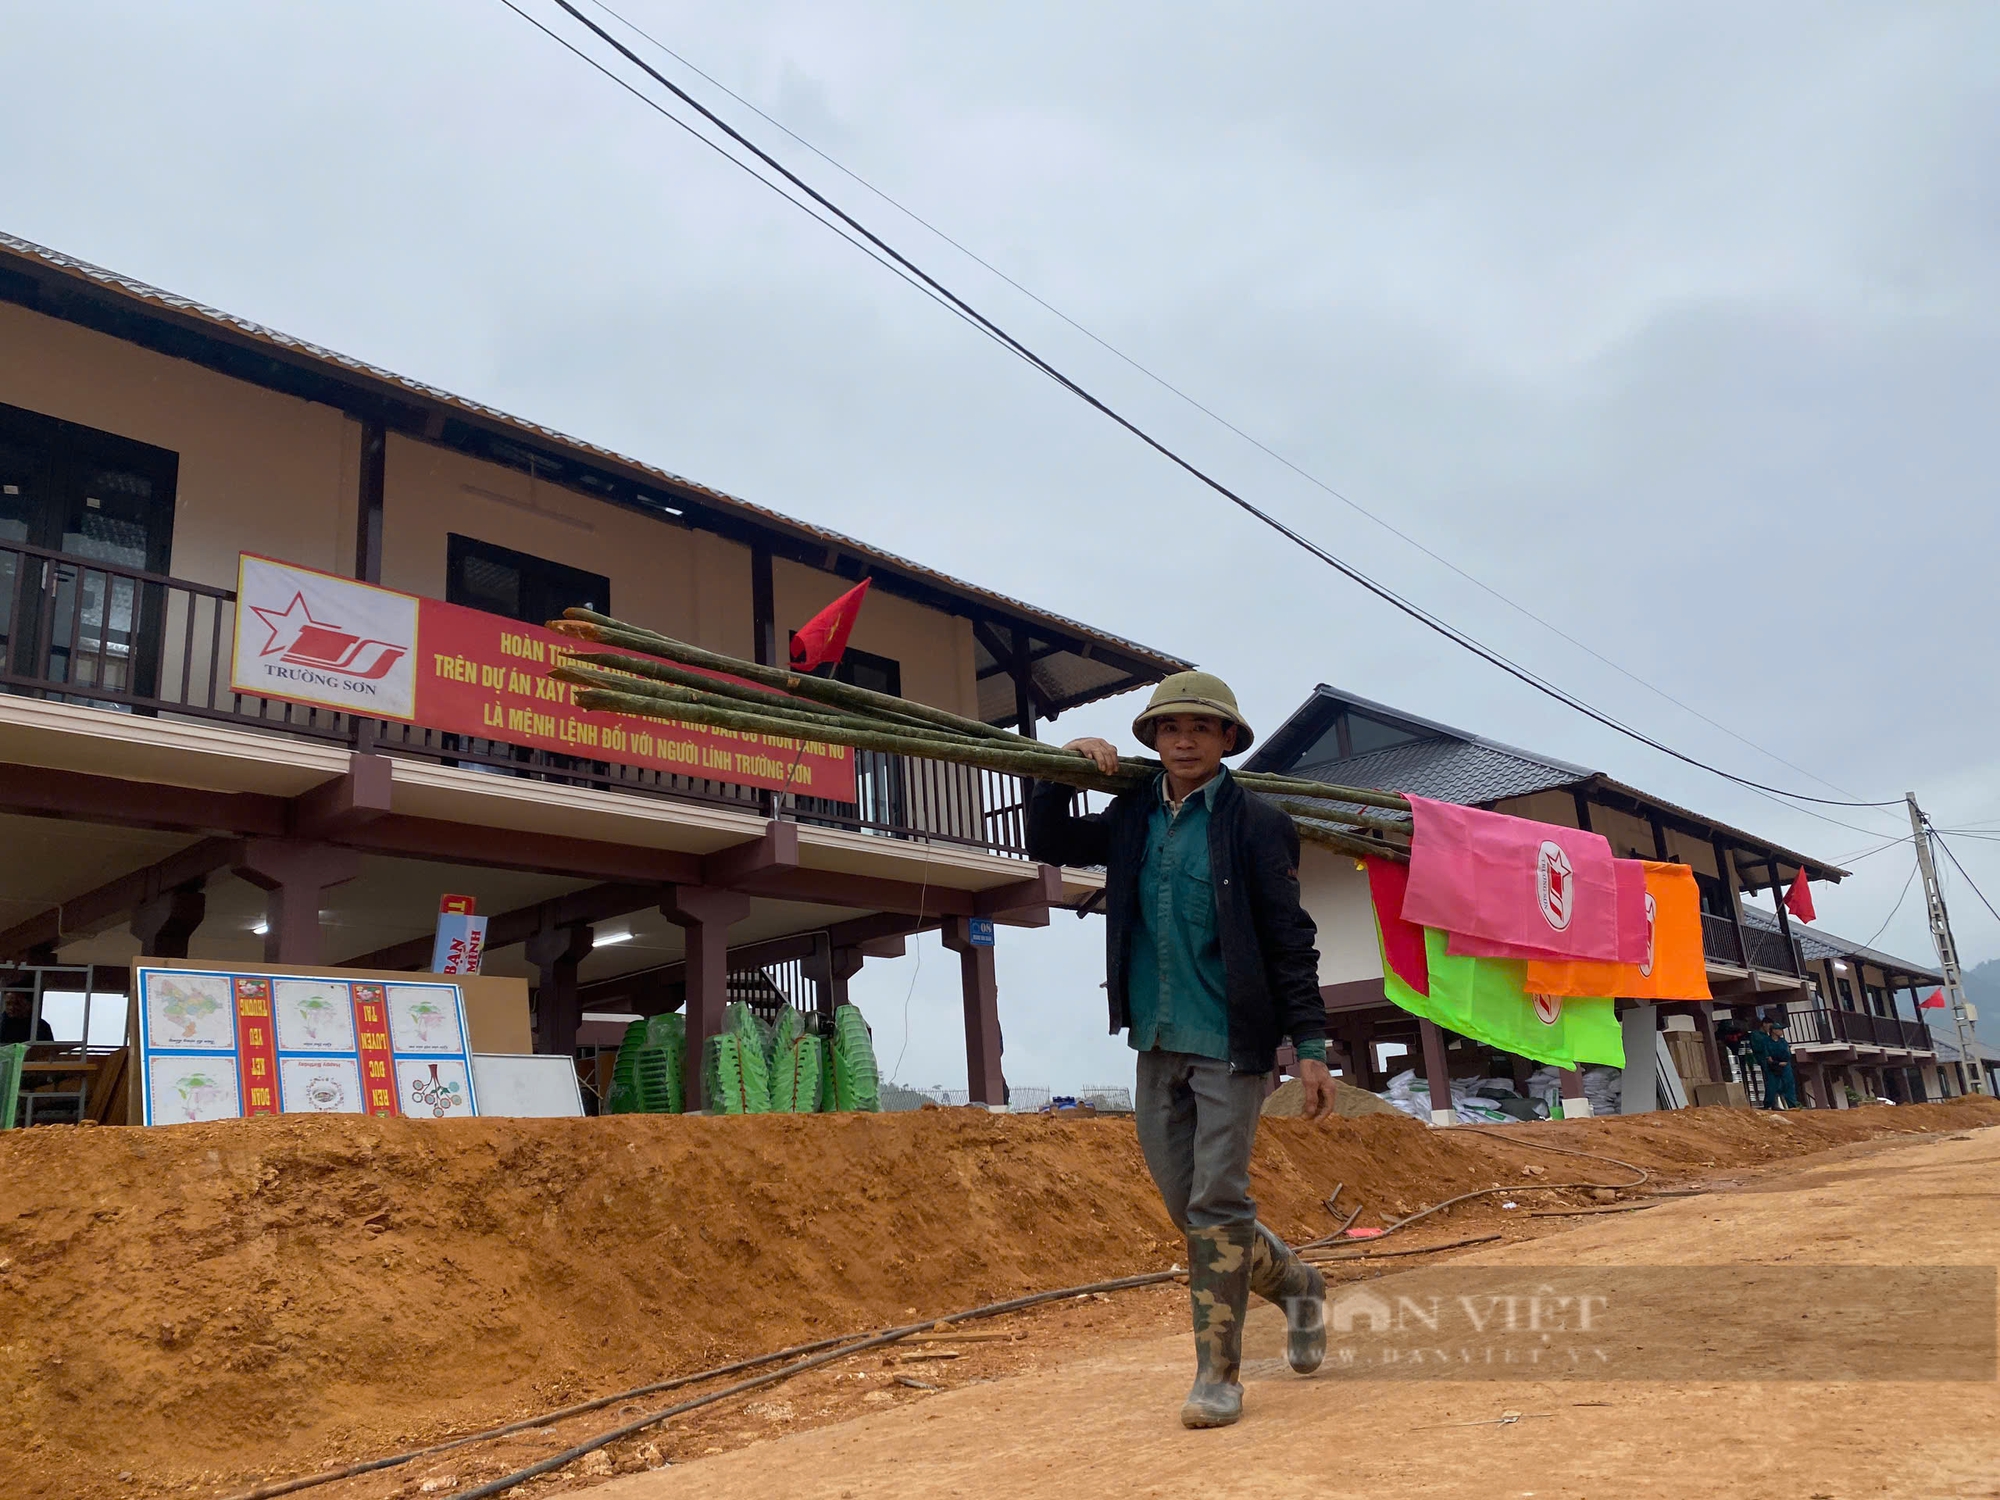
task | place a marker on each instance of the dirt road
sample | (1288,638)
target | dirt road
(1700,1395)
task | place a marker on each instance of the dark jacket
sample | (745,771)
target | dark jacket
(1268,957)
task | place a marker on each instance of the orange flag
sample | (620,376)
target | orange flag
(1677,969)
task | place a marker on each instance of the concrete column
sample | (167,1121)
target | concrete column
(984,1080)
(843,965)
(164,924)
(557,951)
(1437,1072)
(296,876)
(1640,1086)
(1704,1017)
(705,914)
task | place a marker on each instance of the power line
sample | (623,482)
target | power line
(1213,415)
(993,330)
(1962,870)
(1894,909)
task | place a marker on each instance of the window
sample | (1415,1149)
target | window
(1353,733)
(864,669)
(501,581)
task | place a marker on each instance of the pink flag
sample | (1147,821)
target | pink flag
(1635,927)
(1541,890)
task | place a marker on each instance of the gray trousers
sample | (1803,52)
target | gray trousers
(1197,1121)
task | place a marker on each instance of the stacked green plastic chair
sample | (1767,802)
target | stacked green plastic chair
(856,1084)
(797,1080)
(12,1056)
(646,1079)
(734,1076)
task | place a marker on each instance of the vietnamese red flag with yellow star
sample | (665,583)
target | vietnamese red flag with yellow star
(820,641)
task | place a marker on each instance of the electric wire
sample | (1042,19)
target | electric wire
(1938,839)
(1000,335)
(1894,909)
(1174,390)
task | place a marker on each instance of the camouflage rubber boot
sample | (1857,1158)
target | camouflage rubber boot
(1278,1275)
(1219,1292)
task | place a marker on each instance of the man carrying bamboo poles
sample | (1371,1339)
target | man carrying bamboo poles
(1209,963)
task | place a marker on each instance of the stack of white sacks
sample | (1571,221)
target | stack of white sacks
(1474,1100)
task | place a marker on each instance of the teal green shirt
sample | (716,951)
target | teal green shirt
(1177,990)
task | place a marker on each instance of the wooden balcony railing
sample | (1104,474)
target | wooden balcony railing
(76,630)
(1766,950)
(1821,1027)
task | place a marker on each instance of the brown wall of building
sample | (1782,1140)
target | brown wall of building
(259,472)
(272,474)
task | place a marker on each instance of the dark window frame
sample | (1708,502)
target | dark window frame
(544,587)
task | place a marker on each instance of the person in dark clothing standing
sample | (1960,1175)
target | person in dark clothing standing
(18,1024)
(1209,964)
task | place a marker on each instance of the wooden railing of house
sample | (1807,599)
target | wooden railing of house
(76,630)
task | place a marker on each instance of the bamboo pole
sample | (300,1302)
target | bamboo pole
(612,671)
(765,699)
(589,625)
(817,709)
(1078,772)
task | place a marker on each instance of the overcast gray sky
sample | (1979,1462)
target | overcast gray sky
(1676,323)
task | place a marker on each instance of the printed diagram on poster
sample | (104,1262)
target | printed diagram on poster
(225,1044)
(437,1089)
(424,1018)
(191,1011)
(187,1090)
(320,1085)
(314,1016)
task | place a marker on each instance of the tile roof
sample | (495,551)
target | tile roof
(1818,943)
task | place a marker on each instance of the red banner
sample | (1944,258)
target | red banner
(482,675)
(310,637)
(257,1046)
(371,1036)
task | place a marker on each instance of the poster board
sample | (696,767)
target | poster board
(530,1086)
(224,1042)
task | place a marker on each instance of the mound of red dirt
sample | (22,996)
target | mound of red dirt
(194,1305)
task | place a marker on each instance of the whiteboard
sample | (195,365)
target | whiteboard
(526,1085)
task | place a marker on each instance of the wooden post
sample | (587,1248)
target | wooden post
(1704,1017)
(164,924)
(368,515)
(295,875)
(1576,1103)
(1784,914)
(1437,1072)
(705,914)
(557,951)
(1024,684)
(844,965)
(764,611)
(1725,867)
(984,1080)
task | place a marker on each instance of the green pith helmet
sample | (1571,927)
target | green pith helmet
(1193,693)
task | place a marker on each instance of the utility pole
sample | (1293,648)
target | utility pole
(1947,950)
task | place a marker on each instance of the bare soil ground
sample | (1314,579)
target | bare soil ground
(189,1310)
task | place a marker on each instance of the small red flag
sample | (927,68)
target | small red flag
(1933,1001)
(822,638)
(1798,900)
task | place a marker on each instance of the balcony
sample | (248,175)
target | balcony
(75,630)
(1767,950)
(1820,1027)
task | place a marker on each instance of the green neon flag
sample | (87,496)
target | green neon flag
(1486,999)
